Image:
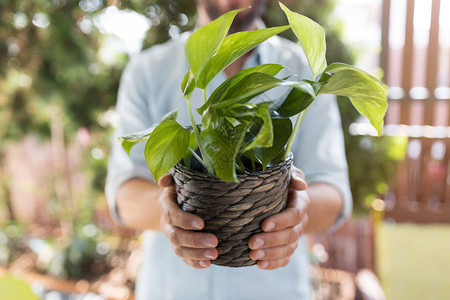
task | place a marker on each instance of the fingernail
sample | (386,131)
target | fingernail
(196,224)
(299,178)
(208,254)
(264,265)
(203,264)
(270,226)
(258,243)
(208,242)
(259,254)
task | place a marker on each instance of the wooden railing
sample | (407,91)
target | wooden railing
(416,61)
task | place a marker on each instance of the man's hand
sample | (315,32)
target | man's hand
(273,248)
(197,249)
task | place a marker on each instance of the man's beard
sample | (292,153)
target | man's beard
(243,20)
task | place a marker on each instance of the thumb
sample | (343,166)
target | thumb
(166,180)
(298,180)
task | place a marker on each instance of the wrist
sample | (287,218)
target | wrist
(324,206)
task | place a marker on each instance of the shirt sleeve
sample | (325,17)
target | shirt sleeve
(320,152)
(133,115)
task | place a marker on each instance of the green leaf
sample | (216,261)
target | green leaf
(233,47)
(261,130)
(243,112)
(311,38)
(203,43)
(221,151)
(188,84)
(165,147)
(12,288)
(256,84)
(336,67)
(236,135)
(206,119)
(225,125)
(193,141)
(269,69)
(366,93)
(249,87)
(297,100)
(374,110)
(130,140)
(282,129)
(188,154)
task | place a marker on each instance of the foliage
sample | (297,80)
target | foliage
(370,177)
(60,66)
(50,56)
(371,160)
(86,254)
(11,241)
(15,289)
(233,129)
(49,61)
(83,258)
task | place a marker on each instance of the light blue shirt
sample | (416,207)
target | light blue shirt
(150,87)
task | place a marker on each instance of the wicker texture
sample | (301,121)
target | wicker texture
(233,211)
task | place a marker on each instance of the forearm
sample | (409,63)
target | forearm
(137,203)
(325,206)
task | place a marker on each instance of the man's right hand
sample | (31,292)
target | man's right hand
(197,249)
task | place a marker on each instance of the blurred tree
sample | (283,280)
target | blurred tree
(49,60)
(49,53)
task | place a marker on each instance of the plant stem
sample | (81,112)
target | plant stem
(205,98)
(198,158)
(197,136)
(240,165)
(300,117)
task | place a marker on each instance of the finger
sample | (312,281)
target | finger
(174,215)
(274,252)
(185,238)
(289,217)
(277,238)
(179,218)
(298,199)
(166,180)
(297,206)
(273,264)
(198,264)
(195,254)
(297,180)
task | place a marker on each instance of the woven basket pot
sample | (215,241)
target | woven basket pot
(233,211)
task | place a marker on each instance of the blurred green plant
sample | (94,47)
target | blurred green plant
(50,60)
(89,252)
(372,167)
(83,257)
(13,288)
(12,241)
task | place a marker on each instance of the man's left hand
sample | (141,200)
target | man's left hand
(274,246)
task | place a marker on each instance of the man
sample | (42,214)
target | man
(150,87)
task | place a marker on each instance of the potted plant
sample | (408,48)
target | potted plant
(233,168)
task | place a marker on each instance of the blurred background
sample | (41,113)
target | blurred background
(60,65)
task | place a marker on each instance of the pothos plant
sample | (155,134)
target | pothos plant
(237,136)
